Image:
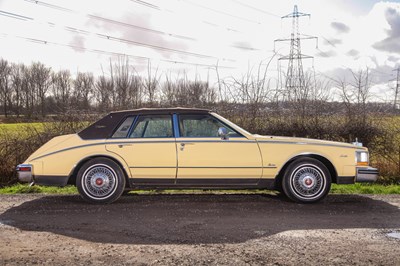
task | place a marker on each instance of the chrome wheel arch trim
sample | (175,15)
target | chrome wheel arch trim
(305,155)
(120,161)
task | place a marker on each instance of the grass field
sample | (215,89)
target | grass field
(336,189)
(18,128)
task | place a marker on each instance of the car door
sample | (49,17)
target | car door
(206,159)
(147,144)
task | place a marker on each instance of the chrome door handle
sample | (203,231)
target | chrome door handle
(183,144)
(122,145)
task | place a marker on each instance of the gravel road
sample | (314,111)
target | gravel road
(199,229)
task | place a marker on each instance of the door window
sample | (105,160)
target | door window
(123,129)
(202,126)
(151,126)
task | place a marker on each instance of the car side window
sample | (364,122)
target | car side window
(123,129)
(202,126)
(153,126)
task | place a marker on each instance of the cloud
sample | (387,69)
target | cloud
(327,54)
(138,29)
(340,27)
(353,53)
(332,41)
(393,59)
(78,43)
(392,42)
(243,45)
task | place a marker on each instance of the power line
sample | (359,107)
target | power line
(146,4)
(111,21)
(256,9)
(15,16)
(129,25)
(158,8)
(221,12)
(132,42)
(103,52)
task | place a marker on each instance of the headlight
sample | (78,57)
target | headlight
(362,158)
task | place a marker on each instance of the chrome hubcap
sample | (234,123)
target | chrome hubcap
(308,181)
(99,181)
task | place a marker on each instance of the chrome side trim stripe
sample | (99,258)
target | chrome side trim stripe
(153,167)
(67,149)
(142,142)
(204,167)
(305,143)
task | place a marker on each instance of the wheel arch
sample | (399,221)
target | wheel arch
(322,159)
(75,170)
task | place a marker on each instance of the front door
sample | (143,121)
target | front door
(205,159)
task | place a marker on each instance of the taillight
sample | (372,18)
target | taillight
(24,169)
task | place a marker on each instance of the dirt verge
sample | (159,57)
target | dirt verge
(199,229)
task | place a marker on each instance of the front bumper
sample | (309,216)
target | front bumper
(367,174)
(24,173)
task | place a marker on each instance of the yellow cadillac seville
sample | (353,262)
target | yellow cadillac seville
(191,148)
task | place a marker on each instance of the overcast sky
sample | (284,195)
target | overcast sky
(192,36)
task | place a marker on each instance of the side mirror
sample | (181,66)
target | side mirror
(223,133)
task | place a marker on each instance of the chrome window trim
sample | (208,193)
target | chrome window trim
(214,117)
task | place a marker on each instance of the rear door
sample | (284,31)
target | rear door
(147,144)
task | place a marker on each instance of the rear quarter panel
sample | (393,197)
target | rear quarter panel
(61,160)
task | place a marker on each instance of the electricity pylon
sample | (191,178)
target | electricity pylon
(396,91)
(295,80)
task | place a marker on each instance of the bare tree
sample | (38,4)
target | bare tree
(122,79)
(355,94)
(83,90)
(169,91)
(5,86)
(16,82)
(135,91)
(254,90)
(103,89)
(61,89)
(150,84)
(40,79)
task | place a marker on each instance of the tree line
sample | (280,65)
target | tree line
(36,90)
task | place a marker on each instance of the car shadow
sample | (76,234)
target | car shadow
(195,219)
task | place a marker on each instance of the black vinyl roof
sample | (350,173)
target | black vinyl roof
(105,127)
(144,111)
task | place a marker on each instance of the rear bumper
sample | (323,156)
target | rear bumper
(24,173)
(367,174)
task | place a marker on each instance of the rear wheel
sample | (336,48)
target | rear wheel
(100,180)
(306,180)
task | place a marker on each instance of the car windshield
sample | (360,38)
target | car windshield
(233,125)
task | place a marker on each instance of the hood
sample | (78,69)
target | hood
(306,141)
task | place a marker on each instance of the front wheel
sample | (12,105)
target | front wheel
(306,181)
(100,180)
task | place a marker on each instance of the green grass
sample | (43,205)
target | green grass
(336,189)
(360,188)
(20,128)
(26,189)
